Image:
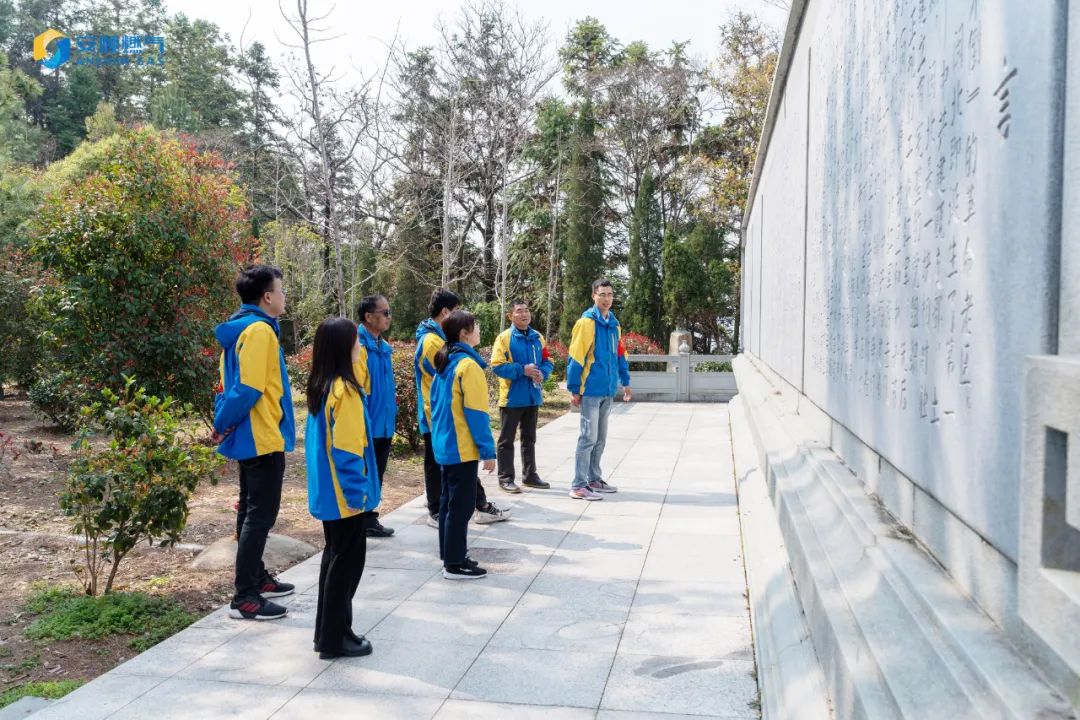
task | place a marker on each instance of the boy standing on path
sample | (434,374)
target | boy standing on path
(253,424)
(378,386)
(429,340)
(520,358)
(596,366)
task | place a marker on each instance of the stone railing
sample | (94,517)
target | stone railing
(680,383)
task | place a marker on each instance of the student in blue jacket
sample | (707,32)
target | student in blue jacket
(460,438)
(343,483)
(377,381)
(596,367)
(521,360)
(253,424)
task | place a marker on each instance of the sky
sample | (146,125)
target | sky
(363,29)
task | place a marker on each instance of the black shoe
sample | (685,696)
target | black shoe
(379,530)
(509,486)
(261,609)
(536,483)
(469,562)
(349,648)
(463,572)
(271,587)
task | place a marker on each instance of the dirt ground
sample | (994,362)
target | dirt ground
(36,545)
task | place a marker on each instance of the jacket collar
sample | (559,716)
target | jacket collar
(370,342)
(460,348)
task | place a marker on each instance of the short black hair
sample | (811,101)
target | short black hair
(519,301)
(442,298)
(367,304)
(602,282)
(254,280)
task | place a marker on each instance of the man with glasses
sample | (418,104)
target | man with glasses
(521,361)
(375,372)
(596,366)
(253,424)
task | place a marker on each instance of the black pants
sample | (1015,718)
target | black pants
(339,575)
(260,478)
(382,455)
(456,504)
(433,481)
(509,419)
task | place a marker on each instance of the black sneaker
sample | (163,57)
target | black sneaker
(379,530)
(536,483)
(469,562)
(261,609)
(463,572)
(509,486)
(271,587)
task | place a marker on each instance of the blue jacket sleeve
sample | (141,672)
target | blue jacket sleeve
(474,403)
(480,427)
(623,364)
(502,362)
(234,406)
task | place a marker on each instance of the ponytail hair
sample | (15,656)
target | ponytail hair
(456,323)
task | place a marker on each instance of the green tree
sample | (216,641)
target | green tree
(742,78)
(584,254)
(20,140)
(66,110)
(643,311)
(102,123)
(539,216)
(140,249)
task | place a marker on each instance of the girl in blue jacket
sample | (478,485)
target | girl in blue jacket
(343,482)
(460,438)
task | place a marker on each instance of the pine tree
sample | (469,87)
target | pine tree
(643,308)
(585,220)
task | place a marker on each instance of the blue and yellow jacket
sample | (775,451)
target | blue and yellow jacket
(512,351)
(254,397)
(378,383)
(460,424)
(429,339)
(342,476)
(597,362)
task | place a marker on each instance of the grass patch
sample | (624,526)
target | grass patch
(51,689)
(66,613)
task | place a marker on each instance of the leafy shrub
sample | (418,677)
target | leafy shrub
(138,486)
(405,381)
(559,354)
(299,367)
(713,366)
(59,395)
(487,314)
(66,614)
(140,248)
(638,344)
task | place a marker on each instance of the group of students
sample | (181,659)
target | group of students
(352,415)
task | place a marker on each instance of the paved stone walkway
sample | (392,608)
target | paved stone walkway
(629,608)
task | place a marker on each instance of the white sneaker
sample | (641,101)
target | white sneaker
(490,514)
(433,521)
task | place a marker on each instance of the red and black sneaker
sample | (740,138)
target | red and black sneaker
(261,609)
(272,588)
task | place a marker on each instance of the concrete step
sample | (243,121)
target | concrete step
(896,637)
(24,708)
